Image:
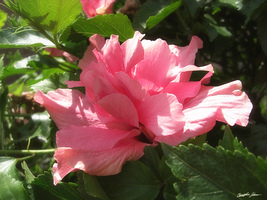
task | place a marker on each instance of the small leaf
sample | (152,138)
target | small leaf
(24,37)
(135,181)
(209,173)
(105,25)
(28,174)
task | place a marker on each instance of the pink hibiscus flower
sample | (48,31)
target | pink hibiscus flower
(97,7)
(137,93)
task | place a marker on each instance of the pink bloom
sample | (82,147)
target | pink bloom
(97,7)
(137,93)
(58,53)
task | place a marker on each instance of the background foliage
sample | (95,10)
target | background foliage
(221,164)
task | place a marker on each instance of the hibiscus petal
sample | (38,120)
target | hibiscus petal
(131,87)
(67,107)
(225,103)
(154,72)
(162,114)
(92,138)
(112,55)
(106,162)
(96,42)
(186,55)
(61,169)
(120,107)
(184,90)
(133,51)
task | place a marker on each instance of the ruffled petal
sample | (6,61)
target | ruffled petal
(131,87)
(186,55)
(68,107)
(185,90)
(155,71)
(106,162)
(133,51)
(225,103)
(162,114)
(120,107)
(112,55)
(62,168)
(92,138)
(96,42)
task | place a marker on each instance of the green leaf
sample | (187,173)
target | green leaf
(105,25)
(54,82)
(229,142)
(23,37)
(209,173)
(154,20)
(3,17)
(151,160)
(28,174)
(43,188)
(93,188)
(194,5)
(153,12)
(36,63)
(12,189)
(135,181)
(51,15)
(8,166)
(247,7)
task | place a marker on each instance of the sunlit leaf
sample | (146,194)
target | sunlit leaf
(105,25)
(24,37)
(51,15)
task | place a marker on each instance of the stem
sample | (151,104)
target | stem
(30,151)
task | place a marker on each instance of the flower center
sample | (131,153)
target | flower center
(146,135)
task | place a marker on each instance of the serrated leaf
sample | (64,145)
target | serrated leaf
(105,25)
(60,191)
(135,181)
(152,12)
(229,142)
(24,37)
(209,173)
(51,15)
(11,189)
